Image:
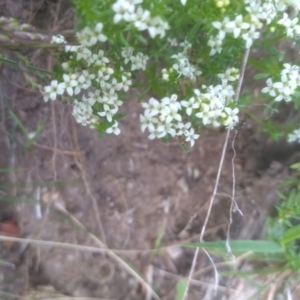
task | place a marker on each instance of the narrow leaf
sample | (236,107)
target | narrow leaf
(180,288)
(295,166)
(291,234)
(194,30)
(261,76)
(241,246)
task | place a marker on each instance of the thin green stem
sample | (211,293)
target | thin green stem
(12,62)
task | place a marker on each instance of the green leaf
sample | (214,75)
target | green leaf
(18,122)
(151,72)
(257,64)
(183,147)
(180,288)
(280,195)
(194,30)
(261,76)
(295,166)
(124,40)
(241,246)
(291,234)
(119,116)
(166,139)
(144,93)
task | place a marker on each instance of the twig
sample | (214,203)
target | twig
(208,213)
(233,205)
(237,94)
(111,253)
(67,152)
(87,186)
(196,282)
(45,219)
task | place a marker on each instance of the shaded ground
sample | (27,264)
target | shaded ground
(136,188)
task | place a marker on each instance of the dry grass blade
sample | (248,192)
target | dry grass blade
(237,94)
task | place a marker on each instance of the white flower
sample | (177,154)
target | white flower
(172,42)
(190,105)
(237,26)
(294,136)
(114,129)
(98,35)
(85,79)
(139,61)
(290,24)
(71,82)
(83,52)
(291,70)
(82,112)
(215,43)
(126,83)
(270,88)
(103,74)
(285,87)
(88,37)
(182,128)
(108,112)
(166,128)
(191,136)
(153,107)
(156,26)
(231,74)
(99,59)
(165,75)
(58,39)
(127,54)
(183,2)
(51,91)
(156,133)
(250,35)
(184,67)
(186,45)
(147,121)
(232,117)
(141,18)
(69,48)
(222,27)
(124,10)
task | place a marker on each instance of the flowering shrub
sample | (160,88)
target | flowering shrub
(189,51)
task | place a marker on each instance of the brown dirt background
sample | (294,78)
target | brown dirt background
(137,186)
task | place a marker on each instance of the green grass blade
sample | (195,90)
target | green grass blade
(291,234)
(38,131)
(12,62)
(19,123)
(241,246)
(180,288)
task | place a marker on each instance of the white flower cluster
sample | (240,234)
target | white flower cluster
(172,42)
(184,67)
(58,39)
(163,118)
(211,105)
(138,61)
(96,69)
(267,10)
(130,11)
(284,89)
(294,136)
(249,30)
(238,27)
(291,25)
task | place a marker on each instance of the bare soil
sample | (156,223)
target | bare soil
(123,189)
